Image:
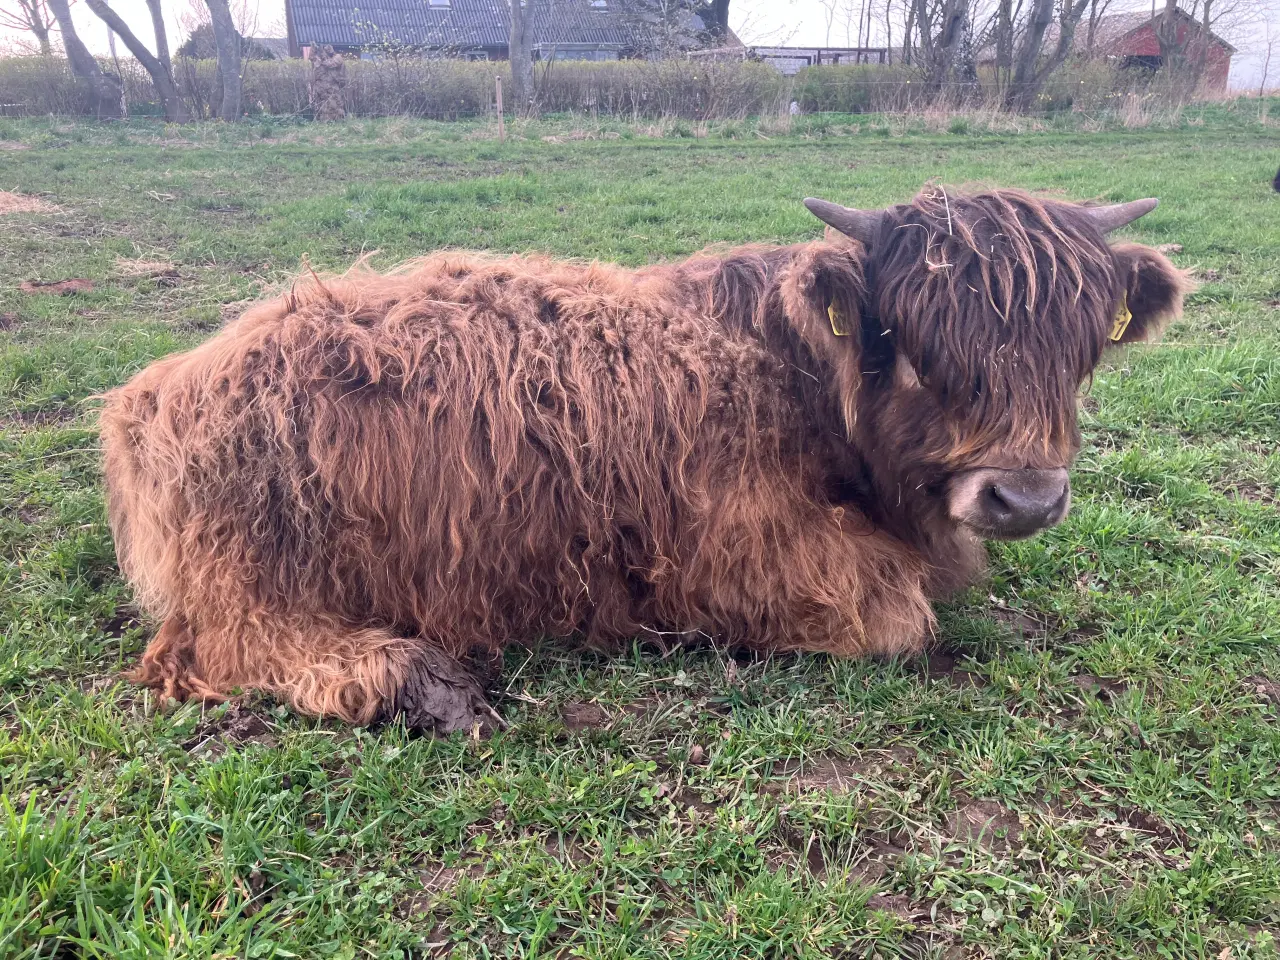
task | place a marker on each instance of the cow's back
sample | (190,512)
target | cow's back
(485,448)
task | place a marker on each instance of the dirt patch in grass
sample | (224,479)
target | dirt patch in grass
(1105,690)
(1264,688)
(8,321)
(238,725)
(943,666)
(164,273)
(1019,623)
(59,287)
(989,824)
(44,417)
(585,716)
(11,202)
(434,881)
(1252,493)
(125,618)
(836,774)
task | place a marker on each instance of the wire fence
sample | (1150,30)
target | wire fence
(447,89)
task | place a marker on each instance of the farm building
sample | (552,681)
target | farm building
(1129,39)
(468,29)
(791,60)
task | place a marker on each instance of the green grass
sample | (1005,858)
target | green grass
(1109,698)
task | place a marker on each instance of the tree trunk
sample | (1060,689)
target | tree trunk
(1032,71)
(39,28)
(104,87)
(227,41)
(520,50)
(944,53)
(888,32)
(908,33)
(175,108)
(1028,55)
(162,38)
(715,17)
(1202,56)
(1004,39)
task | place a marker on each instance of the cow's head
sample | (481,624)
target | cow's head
(975,322)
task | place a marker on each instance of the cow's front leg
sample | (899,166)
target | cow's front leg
(320,665)
(801,576)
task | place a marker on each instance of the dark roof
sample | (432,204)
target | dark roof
(1112,29)
(278,47)
(464,23)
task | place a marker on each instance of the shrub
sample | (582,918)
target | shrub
(436,89)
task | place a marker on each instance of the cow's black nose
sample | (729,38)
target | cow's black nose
(1009,504)
(1020,502)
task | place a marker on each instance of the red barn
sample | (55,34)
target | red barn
(1131,39)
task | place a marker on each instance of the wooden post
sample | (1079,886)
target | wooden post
(502,124)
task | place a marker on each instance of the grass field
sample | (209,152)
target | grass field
(1088,766)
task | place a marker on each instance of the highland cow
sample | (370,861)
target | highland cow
(359,491)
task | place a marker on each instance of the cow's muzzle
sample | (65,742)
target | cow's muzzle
(1009,504)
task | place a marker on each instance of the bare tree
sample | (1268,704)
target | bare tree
(1031,66)
(1097,10)
(29,16)
(829,9)
(1270,42)
(942,30)
(175,108)
(520,53)
(162,37)
(715,18)
(227,39)
(104,87)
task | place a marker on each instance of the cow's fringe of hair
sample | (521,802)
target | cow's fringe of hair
(1043,269)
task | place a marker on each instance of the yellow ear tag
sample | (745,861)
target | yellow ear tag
(1122,318)
(834,316)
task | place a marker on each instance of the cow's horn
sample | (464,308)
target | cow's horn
(1116,215)
(861,225)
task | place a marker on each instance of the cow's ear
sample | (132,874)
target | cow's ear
(824,293)
(1153,290)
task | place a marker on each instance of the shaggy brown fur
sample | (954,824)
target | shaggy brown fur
(356,486)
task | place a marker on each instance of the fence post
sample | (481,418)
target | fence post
(502,124)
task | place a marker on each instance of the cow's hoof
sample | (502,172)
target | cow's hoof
(439,696)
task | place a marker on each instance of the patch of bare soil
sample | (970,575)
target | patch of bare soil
(44,417)
(585,716)
(121,622)
(941,666)
(11,202)
(836,774)
(1264,688)
(434,880)
(240,724)
(899,905)
(986,822)
(8,321)
(1252,493)
(1105,690)
(59,287)
(1021,624)
(11,145)
(164,273)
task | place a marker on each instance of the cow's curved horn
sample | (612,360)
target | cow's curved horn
(861,225)
(1116,215)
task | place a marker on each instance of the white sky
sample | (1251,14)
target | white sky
(793,22)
